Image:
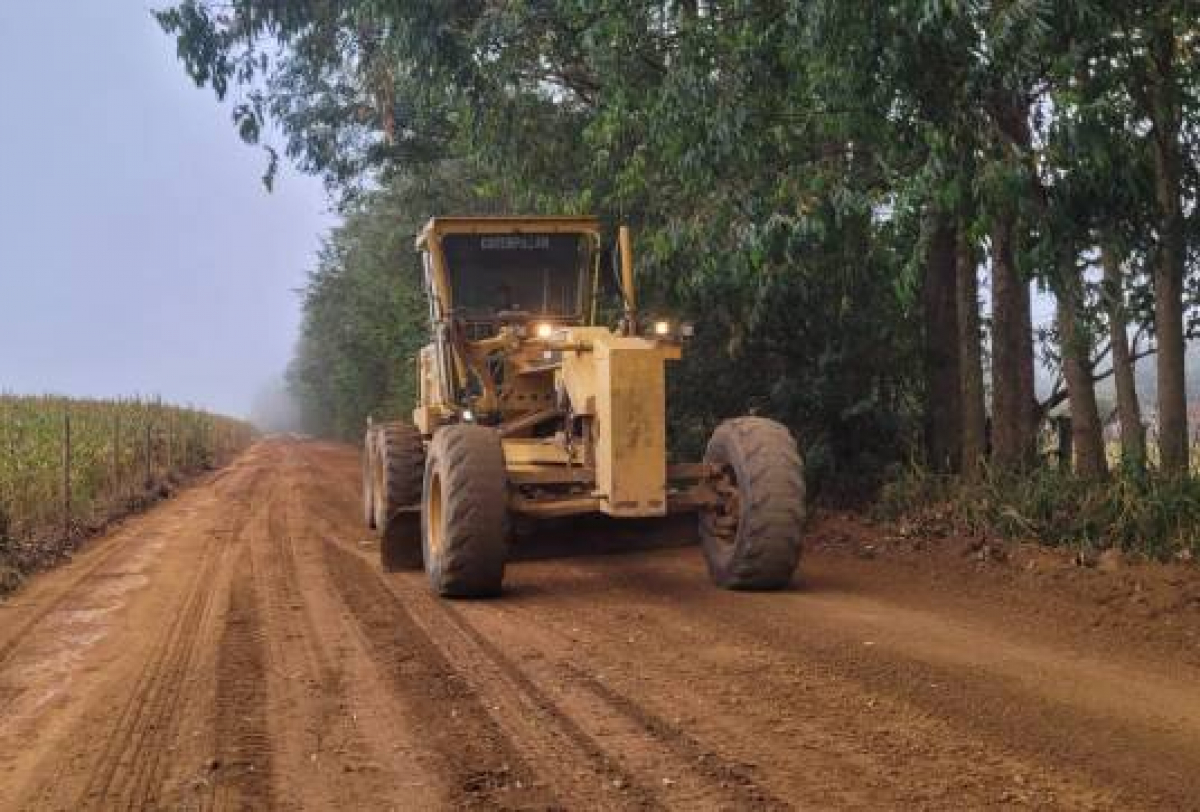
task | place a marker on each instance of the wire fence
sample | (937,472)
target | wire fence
(70,465)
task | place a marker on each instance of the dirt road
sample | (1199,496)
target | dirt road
(238,648)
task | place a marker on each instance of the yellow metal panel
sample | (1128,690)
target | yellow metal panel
(632,469)
(578,371)
(523,451)
(425,376)
(621,383)
(438,226)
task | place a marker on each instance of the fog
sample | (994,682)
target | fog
(139,251)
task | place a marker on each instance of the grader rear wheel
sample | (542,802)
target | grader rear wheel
(751,539)
(398,464)
(464,517)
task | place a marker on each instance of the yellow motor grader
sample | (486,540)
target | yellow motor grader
(529,407)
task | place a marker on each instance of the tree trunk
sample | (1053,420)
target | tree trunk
(1129,411)
(1013,406)
(943,411)
(1087,437)
(1066,441)
(1168,267)
(974,414)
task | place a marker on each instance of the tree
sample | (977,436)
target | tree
(1165,108)
(1133,433)
(1013,405)
(1087,438)
(943,384)
(974,412)
(812,181)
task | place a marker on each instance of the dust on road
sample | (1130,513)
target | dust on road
(239,648)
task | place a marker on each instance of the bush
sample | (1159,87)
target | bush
(1133,511)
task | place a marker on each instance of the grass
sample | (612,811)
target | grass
(1134,511)
(120,451)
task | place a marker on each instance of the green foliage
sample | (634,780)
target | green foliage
(1133,511)
(365,315)
(778,161)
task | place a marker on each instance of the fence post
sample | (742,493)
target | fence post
(116,455)
(66,474)
(148,482)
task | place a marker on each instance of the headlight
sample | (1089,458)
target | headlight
(543,329)
(662,328)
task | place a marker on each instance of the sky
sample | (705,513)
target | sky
(139,251)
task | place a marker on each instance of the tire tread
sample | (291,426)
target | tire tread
(766,549)
(475,537)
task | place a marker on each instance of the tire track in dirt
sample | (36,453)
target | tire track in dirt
(480,764)
(651,745)
(728,776)
(128,771)
(574,714)
(244,745)
(327,724)
(122,776)
(555,727)
(585,773)
(309,678)
(262,661)
(1108,766)
(864,744)
(723,725)
(917,733)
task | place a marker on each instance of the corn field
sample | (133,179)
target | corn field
(68,464)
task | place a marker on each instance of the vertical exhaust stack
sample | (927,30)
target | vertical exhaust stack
(625,242)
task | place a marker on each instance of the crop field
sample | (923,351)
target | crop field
(68,464)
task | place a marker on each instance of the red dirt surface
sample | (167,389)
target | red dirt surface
(238,648)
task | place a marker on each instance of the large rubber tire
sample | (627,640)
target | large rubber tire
(753,540)
(368,484)
(399,469)
(464,515)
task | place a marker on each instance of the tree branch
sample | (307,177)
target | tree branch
(1059,393)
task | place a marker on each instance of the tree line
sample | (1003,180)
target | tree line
(855,202)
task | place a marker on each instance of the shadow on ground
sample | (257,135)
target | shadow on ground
(600,535)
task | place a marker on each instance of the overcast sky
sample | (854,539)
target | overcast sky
(139,251)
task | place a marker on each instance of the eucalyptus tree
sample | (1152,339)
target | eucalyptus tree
(814,181)
(1163,48)
(1123,153)
(757,204)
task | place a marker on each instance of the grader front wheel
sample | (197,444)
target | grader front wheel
(751,538)
(464,517)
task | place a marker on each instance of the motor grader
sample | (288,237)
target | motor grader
(531,408)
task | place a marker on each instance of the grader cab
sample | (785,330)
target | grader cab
(529,407)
